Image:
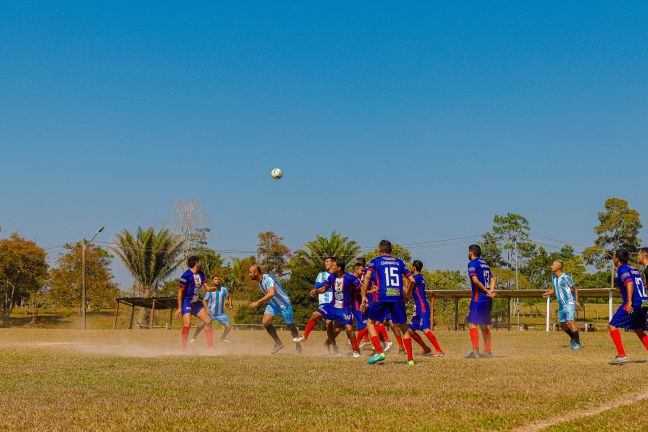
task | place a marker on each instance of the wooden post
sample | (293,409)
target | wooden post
(116,313)
(152,315)
(456,326)
(130,324)
(508,315)
(170,318)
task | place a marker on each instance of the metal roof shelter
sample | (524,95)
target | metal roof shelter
(608,293)
(153,303)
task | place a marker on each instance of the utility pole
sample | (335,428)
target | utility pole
(84,245)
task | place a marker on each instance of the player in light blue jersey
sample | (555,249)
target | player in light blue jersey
(278,303)
(215,298)
(567,295)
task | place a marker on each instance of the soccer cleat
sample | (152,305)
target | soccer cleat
(402,352)
(486,355)
(388,346)
(277,348)
(376,358)
(427,353)
(226,341)
(473,355)
(192,340)
(356,354)
(618,360)
(409,362)
(439,354)
(576,346)
(338,353)
(299,339)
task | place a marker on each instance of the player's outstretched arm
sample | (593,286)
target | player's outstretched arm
(548,293)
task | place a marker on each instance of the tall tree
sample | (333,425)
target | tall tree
(273,254)
(149,256)
(23,268)
(65,280)
(512,234)
(492,251)
(189,222)
(314,252)
(618,228)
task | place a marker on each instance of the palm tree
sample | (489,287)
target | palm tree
(149,256)
(315,251)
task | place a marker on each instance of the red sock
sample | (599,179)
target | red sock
(616,338)
(408,348)
(362,334)
(210,336)
(474,337)
(383,332)
(419,341)
(355,345)
(185,337)
(433,339)
(309,327)
(399,339)
(375,340)
(644,340)
(366,336)
(486,334)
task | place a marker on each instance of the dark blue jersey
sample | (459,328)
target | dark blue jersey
(479,268)
(343,288)
(419,296)
(192,284)
(389,273)
(627,274)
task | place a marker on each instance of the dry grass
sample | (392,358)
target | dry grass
(136,380)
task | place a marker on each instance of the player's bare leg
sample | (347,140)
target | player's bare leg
(207,324)
(272,331)
(332,333)
(354,341)
(228,328)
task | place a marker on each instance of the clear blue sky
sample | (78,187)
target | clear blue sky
(409,122)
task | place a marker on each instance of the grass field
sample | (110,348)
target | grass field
(137,380)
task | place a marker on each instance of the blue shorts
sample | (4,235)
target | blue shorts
(341,316)
(398,314)
(191,308)
(633,321)
(360,319)
(286,313)
(566,313)
(327,310)
(420,322)
(480,312)
(222,318)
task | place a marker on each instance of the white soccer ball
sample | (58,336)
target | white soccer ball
(277,173)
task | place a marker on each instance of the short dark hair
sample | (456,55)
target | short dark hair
(357,265)
(644,250)
(385,246)
(418,265)
(622,255)
(330,257)
(475,249)
(362,261)
(340,263)
(192,261)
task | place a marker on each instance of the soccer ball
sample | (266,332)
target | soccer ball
(276,173)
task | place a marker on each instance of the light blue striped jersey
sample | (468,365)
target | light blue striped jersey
(327,297)
(563,289)
(280,298)
(216,301)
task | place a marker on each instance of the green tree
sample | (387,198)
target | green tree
(149,256)
(511,233)
(23,269)
(618,228)
(314,252)
(237,278)
(272,253)
(491,250)
(445,279)
(65,280)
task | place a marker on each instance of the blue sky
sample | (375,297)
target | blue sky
(409,122)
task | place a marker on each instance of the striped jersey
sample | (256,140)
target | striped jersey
(326,297)
(563,285)
(216,301)
(280,298)
(419,296)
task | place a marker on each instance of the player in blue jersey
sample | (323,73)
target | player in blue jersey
(390,277)
(278,303)
(191,303)
(421,320)
(567,295)
(343,286)
(372,295)
(359,317)
(483,290)
(215,298)
(632,313)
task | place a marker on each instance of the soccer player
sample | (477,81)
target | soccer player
(481,302)
(278,303)
(342,285)
(567,295)
(190,303)
(389,273)
(215,298)
(421,318)
(380,327)
(632,313)
(643,260)
(359,317)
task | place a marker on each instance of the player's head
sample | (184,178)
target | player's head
(418,266)
(557,265)
(193,262)
(385,247)
(216,281)
(474,251)
(358,270)
(255,272)
(338,266)
(621,256)
(362,261)
(643,255)
(328,262)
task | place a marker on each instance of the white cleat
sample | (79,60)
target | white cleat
(618,360)
(226,341)
(192,340)
(388,346)
(356,354)
(299,339)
